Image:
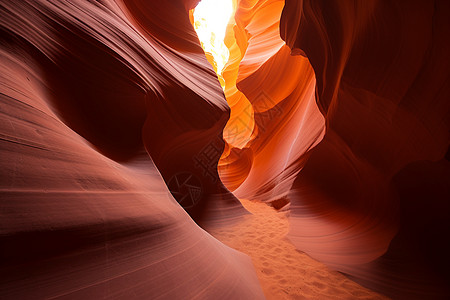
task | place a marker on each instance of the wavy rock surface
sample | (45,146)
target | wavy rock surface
(383,88)
(275,114)
(86,88)
(143,87)
(372,200)
(111,112)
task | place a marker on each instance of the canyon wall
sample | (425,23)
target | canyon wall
(366,179)
(373,198)
(273,110)
(99,106)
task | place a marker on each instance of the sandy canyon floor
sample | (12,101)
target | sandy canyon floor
(283,271)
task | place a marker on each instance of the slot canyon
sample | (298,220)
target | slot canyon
(224,149)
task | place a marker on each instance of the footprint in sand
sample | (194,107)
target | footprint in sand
(267,271)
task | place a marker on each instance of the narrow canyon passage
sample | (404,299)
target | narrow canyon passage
(142,159)
(283,271)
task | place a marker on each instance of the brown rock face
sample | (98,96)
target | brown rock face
(86,88)
(377,187)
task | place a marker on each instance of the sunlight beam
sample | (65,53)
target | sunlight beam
(210,22)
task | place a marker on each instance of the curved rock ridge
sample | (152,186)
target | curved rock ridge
(86,90)
(274,120)
(162,82)
(192,142)
(372,200)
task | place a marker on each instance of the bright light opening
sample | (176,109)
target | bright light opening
(210,22)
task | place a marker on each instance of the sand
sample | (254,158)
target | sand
(283,271)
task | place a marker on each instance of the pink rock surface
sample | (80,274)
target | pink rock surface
(84,211)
